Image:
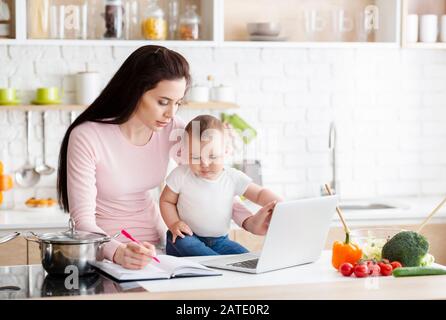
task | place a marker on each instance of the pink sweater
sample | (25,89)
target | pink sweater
(109,180)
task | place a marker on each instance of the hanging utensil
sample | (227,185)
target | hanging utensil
(43,168)
(27,176)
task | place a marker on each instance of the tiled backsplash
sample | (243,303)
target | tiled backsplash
(389,106)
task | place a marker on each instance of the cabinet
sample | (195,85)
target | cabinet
(305,23)
(311,22)
(16,252)
(419,8)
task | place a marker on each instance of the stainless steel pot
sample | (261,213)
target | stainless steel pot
(71,248)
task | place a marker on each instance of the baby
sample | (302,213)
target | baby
(197,202)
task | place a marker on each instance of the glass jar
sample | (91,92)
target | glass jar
(114,22)
(173,12)
(38,19)
(154,24)
(190,24)
(5,20)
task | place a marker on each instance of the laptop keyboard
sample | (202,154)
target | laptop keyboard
(249,264)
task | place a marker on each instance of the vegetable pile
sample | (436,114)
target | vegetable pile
(366,268)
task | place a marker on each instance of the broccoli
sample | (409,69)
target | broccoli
(407,247)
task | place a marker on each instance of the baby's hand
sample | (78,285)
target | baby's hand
(178,228)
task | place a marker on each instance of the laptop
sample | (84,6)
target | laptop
(296,235)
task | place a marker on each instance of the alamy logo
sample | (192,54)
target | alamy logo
(72,18)
(72,280)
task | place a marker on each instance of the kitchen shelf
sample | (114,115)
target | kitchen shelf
(421,45)
(221,17)
(210,105)
(115,43)
(59,107)
(190,105)
(318,44)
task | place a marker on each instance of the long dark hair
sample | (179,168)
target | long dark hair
(140,72)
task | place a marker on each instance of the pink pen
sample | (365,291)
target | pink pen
(129,236)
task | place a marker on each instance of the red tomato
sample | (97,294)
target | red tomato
(374,270)
(346,269)
(381,264)
(386,269)
(396,264)
(361,270)
(369,263)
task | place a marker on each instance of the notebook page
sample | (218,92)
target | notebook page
(177,266)
(118,272)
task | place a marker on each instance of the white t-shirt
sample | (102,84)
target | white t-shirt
(206,205)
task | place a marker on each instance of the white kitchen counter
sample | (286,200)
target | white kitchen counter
(24,219)
(414,211)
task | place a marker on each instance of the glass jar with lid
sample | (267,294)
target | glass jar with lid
(190,24)
(114,20)
(154,24)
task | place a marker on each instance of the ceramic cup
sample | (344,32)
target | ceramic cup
(88,87)
(198,94)
(48,95)
(8,95)
(223,93)
(412,28)
(443,28)
(429,28)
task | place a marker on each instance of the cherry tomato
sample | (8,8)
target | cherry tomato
(386,269)
(381,264)
(374,270)
(361,270)
(369,263)
(346,269)
(396,264)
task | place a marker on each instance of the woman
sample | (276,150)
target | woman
(118,149)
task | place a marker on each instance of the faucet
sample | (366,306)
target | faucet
(332,146)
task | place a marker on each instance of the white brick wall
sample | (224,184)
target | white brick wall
(389,106)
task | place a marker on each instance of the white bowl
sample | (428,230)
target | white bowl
(263,28)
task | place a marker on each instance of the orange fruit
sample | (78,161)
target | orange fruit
(6,182)
(1,167)
(31,202)
(42,203)
(1,197)
(51,202)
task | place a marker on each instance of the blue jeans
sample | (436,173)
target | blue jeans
(202,246)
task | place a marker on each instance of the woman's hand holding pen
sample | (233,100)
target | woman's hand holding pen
(133,255)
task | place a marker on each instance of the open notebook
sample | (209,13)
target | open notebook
(169,267)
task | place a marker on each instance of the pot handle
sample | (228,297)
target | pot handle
(31,236)
(9,237)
